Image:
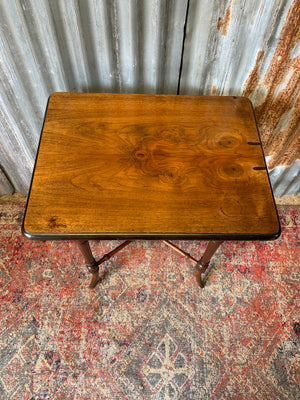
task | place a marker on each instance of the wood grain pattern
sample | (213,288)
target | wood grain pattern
(122,165)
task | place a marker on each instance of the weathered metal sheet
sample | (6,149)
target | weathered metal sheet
(286,180)
(229,47)
(249,48)
(5,185)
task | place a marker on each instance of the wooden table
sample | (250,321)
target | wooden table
(133,166)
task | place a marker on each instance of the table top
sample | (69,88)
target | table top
(150,166)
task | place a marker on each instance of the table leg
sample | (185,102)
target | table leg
(91,263)
(203,263)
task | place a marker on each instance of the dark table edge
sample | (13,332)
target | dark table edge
(150,236)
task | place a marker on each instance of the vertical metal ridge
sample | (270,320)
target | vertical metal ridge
(183,44)
(126,45)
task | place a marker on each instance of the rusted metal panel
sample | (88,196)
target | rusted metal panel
(250,48)
(274,87)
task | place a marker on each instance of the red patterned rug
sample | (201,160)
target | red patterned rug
(148,331)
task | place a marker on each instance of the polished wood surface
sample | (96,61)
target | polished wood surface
(150,166)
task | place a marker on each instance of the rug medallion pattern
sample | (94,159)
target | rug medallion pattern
(148,331)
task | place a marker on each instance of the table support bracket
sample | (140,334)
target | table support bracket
(204,261)
(200,268)
(180,251)
(93,265)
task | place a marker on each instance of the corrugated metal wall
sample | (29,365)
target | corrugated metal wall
(235,47)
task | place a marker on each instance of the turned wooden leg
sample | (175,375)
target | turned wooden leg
(91,263)
(203,263)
